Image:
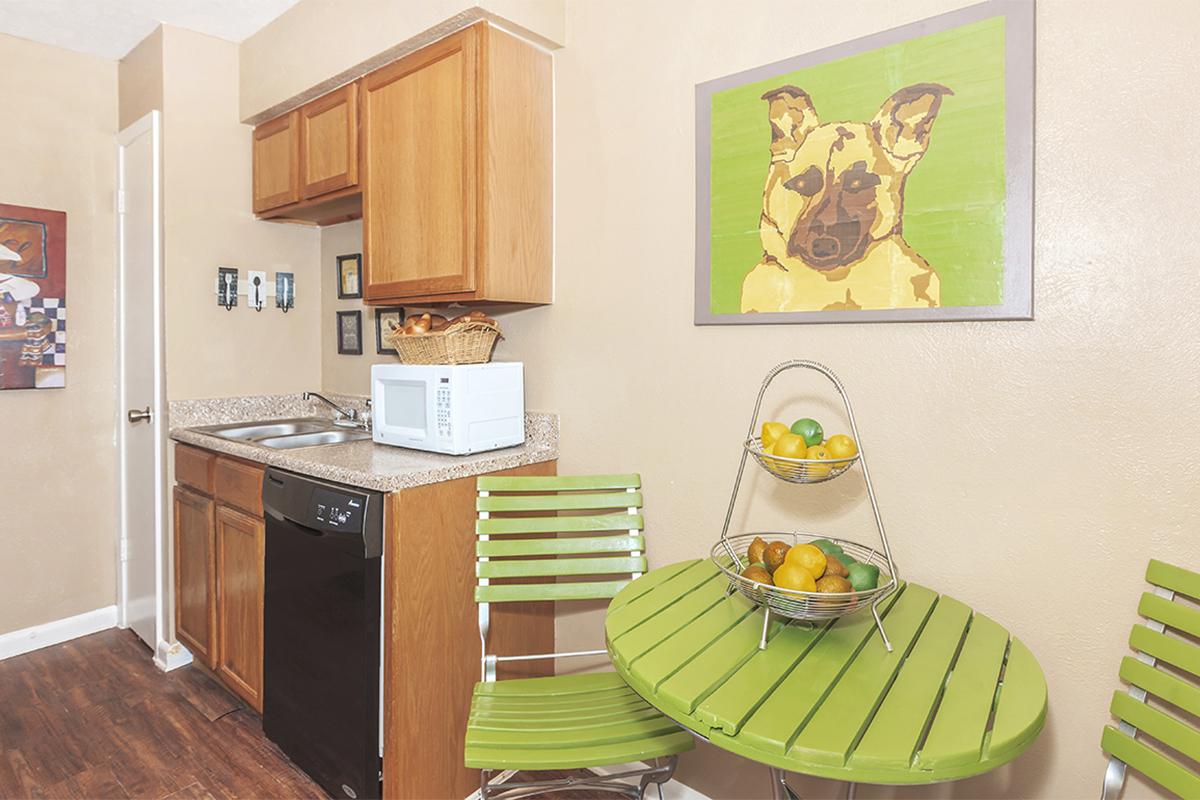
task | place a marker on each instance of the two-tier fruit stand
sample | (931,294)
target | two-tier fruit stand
(791,603)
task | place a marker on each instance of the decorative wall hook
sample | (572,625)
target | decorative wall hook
(285,291)
(227,287)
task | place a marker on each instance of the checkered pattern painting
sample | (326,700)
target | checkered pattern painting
(54,353)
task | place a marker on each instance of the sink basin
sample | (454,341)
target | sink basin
(313,439)
(253,431)
(286,434)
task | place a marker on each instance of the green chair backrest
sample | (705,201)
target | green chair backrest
(576,527)
(1148,736)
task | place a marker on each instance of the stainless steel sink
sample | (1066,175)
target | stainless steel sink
(314,439)
(285,434)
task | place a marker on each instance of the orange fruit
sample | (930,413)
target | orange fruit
(808,556)
(793,576)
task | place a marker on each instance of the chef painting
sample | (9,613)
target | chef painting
(33,310)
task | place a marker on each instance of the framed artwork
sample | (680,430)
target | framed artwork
(349,333)
(349,271)
(33,298)
(386,318)
(886,179)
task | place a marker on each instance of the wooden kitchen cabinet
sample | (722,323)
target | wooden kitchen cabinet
(447,156)
(277,162)
(329,142)
(195,573)
(240,543)
(219,557)
(457,172)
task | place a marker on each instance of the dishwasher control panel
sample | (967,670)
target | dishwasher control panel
(335,511)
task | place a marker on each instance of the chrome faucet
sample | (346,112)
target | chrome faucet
(342,415)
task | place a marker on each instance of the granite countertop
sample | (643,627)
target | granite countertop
(363,463)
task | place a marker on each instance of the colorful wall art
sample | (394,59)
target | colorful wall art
(33,298)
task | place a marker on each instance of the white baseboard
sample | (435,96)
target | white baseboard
(171,655)
(56,632)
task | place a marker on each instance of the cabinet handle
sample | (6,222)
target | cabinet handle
(134,416)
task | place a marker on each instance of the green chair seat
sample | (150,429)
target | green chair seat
(566,722)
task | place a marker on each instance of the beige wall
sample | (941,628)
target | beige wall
(340,373)
(57,139)
(140,80)
(328,42)
(1028,468)
(212,352)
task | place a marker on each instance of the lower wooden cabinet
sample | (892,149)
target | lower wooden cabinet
(241,539)
(220,539)
(195,574)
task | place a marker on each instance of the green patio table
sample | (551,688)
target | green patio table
(956,697)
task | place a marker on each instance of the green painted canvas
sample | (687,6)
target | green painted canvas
(874,181)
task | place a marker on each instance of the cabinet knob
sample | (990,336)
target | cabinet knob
(136,416)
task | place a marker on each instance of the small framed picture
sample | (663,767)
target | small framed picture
(349,273)
(349,333)
(386,318)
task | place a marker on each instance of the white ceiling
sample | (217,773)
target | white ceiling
(111,28)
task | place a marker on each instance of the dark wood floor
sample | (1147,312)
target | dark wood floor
(94,719)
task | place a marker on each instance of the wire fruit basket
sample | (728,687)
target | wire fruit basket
(798,470)
(791,603)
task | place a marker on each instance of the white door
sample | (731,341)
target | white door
(141,441)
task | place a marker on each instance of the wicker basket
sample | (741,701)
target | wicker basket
(466,342)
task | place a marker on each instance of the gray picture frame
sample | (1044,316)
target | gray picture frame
(1017,302)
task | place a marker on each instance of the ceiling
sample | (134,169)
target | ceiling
(111,28)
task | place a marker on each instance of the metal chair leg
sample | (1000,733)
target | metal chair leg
(1114,779)
(851,790)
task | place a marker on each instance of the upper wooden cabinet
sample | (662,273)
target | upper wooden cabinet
(306,162)
(457,172)
(447,155)
(329,142)
(277,163)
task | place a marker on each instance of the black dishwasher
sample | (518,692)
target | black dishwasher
(321,659)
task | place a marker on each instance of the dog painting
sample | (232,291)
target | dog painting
(886,179)
(833,207)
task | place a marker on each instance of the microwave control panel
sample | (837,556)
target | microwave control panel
(443,411)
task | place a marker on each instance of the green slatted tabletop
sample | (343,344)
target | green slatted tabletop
(958,695)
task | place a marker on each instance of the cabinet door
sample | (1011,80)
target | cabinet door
(420,145)
(277,162)
(329,142)
(240,542)
(195,574)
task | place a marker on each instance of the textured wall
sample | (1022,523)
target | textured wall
(328,42)
(212,352)
(57,140)
(1028,468)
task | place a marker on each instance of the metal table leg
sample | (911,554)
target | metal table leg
(779,786)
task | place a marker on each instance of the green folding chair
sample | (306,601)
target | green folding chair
(1148,736)
(563,722)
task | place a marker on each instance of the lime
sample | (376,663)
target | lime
(863,576)
(809,429)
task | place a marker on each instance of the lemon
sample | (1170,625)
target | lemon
(789,445)
(771,431)
(841,446)
(817,453)
(808,556)
(793,576)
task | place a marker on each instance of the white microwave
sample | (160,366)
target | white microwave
(456,409)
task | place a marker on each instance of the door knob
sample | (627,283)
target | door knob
(136,416)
